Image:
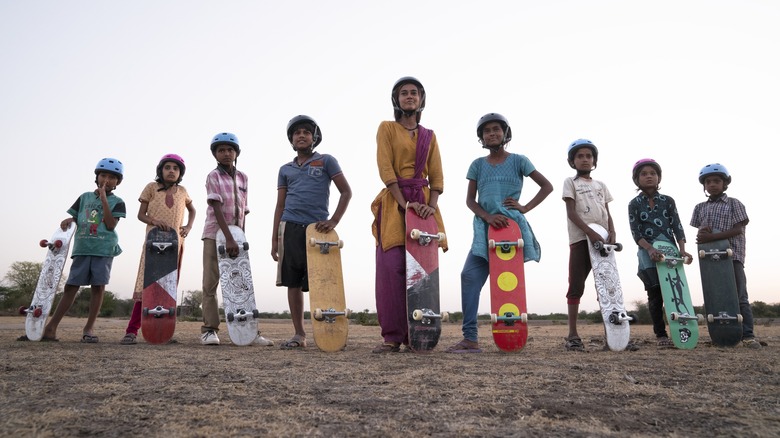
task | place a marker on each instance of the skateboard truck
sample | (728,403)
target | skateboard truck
(427,316)
(424,238)
(685,317)
(221,248)
(504,245)
(508,318)
(672,261)
(242,315)
(618,318)
(36,310)
(724,318)
(606,248)
(159,311)
(330,315)
(161,246)
(715,255)
(324,245)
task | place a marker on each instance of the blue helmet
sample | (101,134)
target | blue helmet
(225,138)
(715,169)
(582,143)
(110,165)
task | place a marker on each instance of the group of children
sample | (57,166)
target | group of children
(410,166)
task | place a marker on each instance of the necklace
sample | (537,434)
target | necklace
(411,129)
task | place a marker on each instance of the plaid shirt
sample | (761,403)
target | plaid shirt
(231,192)
(721,215)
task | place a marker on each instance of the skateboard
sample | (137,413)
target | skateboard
(683,322)
(422,282)
(158,298)
(609,291)
(238,293)
(330,316)
(48,282)
(721,302)
(507,287)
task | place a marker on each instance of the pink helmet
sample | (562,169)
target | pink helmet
(172,158)
(645,162)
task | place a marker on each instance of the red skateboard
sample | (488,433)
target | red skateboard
(507,287)
(422,281)
(161,274)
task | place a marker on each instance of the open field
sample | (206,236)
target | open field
(184,389)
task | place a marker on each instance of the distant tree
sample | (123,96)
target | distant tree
(21,278)
(191,302)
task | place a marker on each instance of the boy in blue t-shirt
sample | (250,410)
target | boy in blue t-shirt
(95,245)
(303,194)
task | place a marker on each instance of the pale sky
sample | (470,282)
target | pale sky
(685,82)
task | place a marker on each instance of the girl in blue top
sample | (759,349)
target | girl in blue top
(498,178)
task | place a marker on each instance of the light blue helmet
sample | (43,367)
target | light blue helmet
(111,165)
(582,143)
(715,169)
(225,138)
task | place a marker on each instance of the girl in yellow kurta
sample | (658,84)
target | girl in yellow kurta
(410,167)
(162,205)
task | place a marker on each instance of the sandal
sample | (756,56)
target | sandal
(89,339)
(464,346)
(129,339)
(665,342)
(296,342)
(574,344)
(387,347)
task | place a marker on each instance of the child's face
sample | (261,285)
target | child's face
(107,180)
(492,135)
(225,154)
(408,97)
(648,178)
(583,160)
(171,172)
(714,185)
(302,139)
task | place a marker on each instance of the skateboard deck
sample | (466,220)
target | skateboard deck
(683,322)
(422,282)
(507,287)
(721,302)
(609,290)
(238,293)
(329,313)
(48,282)
(158,298)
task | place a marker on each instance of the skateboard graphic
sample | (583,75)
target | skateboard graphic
(507,287)
(238,293)
(330,316)
(48,282)
(683,322)
(422,281)
(609,290)
(161,274)
(724,321)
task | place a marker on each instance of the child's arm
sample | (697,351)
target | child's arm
(143,216)
(705,234)
(545,188)
(571,213)
(185,230)
(231,247)
(346,194)
(66,223)
(108,217)
(494,220)
(280,198)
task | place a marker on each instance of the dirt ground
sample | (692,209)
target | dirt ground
(185,389)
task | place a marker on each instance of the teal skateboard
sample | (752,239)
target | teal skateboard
(683,322)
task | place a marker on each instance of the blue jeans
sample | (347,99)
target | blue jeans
(473,277)
(744,303)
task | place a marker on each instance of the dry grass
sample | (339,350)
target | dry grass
(185,389)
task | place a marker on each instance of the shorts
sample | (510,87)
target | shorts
(579,269)
(292,269)
(90,271)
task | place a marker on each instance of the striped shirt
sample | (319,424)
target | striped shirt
(720,215)
(231,192)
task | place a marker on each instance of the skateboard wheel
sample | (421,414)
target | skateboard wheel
(417,315)
(58,243)
(674,316)
(230,317)
(172,312)
(312,242)
(347,313)
(221,249)
(37,312)
(318,314)
(341,244)
(44,243)
(442,238)
(729,252)
(632,319)
(618,247)
(520,243)
(710,318)
(739,318)
(492,244)
(415,234)
(246,246)
(614,318)
(493,318)
(255,314)
(445,316)
(702,254)
(145,311)
(523,318)
(700,318)
(22,310)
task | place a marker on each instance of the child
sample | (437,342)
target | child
(653,216)
(498,179)
(162,205)
(226,194)
(303,194)
(586,203)
(95,245)
(722,217)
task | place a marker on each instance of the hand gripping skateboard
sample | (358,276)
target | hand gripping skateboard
(48,282)
(719,287)
(238,293)
(609,290)
(422,281)
(330,316)
(507,287)
(161,274)
(683,322)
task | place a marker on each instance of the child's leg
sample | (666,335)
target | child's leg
(744,302)
(472,279)
(579,269)
(135,319)
(655,300)
(210,283)
(295,300)
(95,302)
(68,297)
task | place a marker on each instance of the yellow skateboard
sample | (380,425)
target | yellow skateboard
(329,313)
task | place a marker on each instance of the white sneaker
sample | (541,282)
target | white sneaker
(263,341)
(209,338)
